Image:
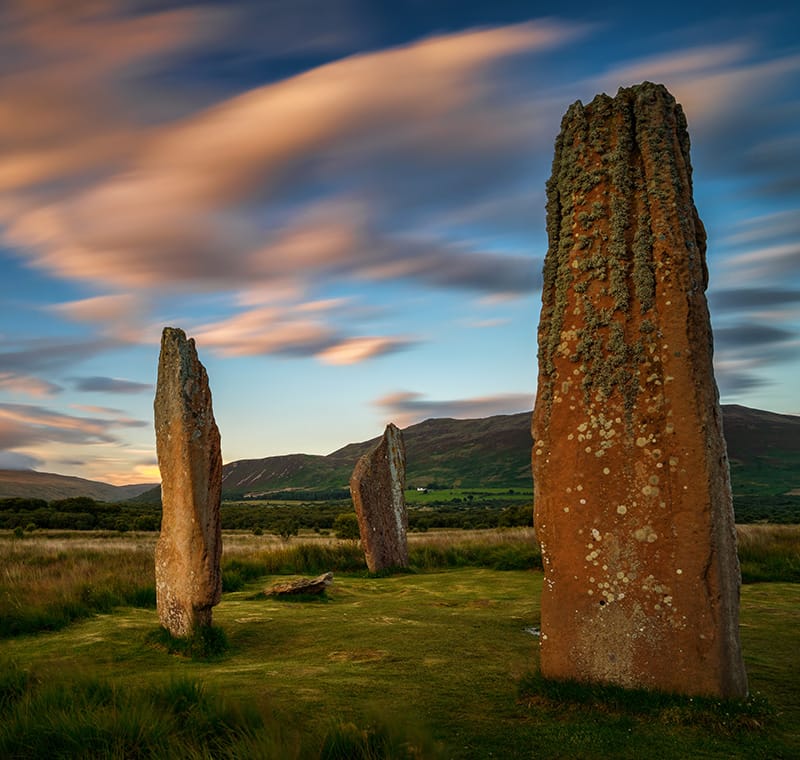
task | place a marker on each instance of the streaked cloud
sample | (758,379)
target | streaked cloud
(13,460)
(355,350)
(170,216)
(753,298)
(108,385)
(28,385)
(408,407)
(765,228)
(775,263)
(50,354)
(301,330)
(25,424)
(753,334)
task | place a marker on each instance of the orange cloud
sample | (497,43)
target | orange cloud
(289,330)
(164,216)
(355,350)
(30,386)
(709,82)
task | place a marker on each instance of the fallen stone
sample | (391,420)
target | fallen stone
(631,483)
(378,488)
(301,586)
(188,578)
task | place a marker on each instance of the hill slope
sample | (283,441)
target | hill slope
(496,452)
(764,449)
(28,484)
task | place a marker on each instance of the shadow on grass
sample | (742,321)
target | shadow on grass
(207,643)
(723,716)
(261,596)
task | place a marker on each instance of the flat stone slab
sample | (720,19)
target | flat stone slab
(301,586)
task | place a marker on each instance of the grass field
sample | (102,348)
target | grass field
(437,663)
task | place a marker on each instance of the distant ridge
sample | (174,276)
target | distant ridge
(29,484)
(494,451)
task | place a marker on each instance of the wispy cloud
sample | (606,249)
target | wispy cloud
(355,350)
(753,298)
(301,330)
(14,460)
(166,217)
(108,385)
(30,433)
(408,407)
(773,263)
(26,424)
(28,385)
(47,355)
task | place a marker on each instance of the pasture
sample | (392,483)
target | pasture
(439,662)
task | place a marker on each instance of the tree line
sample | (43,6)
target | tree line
(84,513)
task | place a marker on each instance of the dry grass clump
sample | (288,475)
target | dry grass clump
(47,583)
(769,553)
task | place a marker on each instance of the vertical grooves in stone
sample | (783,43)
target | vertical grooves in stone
(632,492)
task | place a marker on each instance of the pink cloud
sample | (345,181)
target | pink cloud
(25,384)
(293,330)
(356,350)
(164,218)
(712,83)
(409,407)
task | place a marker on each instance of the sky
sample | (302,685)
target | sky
(342,201)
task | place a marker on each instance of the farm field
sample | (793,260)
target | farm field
(439,662)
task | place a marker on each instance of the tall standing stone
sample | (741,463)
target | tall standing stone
(378,487)
(188,578)
(632,492)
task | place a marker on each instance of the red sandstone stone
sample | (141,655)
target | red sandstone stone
(188,579)
(632,492)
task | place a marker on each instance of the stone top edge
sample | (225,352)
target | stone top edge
(644,91)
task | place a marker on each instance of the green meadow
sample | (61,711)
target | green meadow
(439,662)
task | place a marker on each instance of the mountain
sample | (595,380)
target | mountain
(462,453)
(763,447)
(495,451)
(30,484)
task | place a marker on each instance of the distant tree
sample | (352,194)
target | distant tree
(288,528)
(346,526)
(146,522)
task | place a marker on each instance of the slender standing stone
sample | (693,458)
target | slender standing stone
(378,484)
(188,579)
(632,491)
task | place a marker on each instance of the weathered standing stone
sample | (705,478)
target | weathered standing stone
(188,579)
(378,484)
(632,492)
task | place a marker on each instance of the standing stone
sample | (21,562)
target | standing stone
(378,484)
(188,578)
(632,491)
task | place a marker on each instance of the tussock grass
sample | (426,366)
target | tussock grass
(50,580)
(769,553)
(437,655)
(93,718)
(46,584)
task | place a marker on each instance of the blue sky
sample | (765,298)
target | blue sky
(343,202)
